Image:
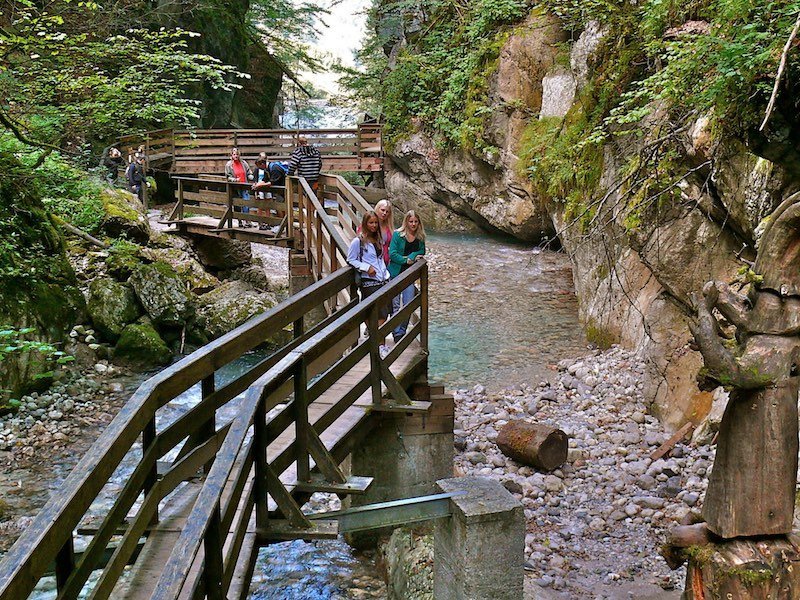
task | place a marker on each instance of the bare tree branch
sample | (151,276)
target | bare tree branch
(781,68)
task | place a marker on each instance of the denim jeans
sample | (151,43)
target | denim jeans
(245,196)
(399,301)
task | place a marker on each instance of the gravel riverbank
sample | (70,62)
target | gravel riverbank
(594,526)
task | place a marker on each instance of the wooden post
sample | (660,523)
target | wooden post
(260,444)
(180,199)
(212,562)
(209,428)
(229,190)
(423,309)
(320,264)
(374,354)
(309,218)
(301,424)
(65,562)
(148,439)
(298,328)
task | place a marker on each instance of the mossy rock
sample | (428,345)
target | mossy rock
(162,293)
(124,216)
(112,306)
(121,265)
(141,344)
(230,305)
(38,287)
(190,270)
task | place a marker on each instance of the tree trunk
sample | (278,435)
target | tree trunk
(533,444)
(752,486)
(747,569)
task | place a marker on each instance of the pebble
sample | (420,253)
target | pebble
(609,499)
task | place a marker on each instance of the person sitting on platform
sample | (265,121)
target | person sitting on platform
(306,161)
(237,169)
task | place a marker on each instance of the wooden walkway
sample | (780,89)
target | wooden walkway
(345,431)
(191,527)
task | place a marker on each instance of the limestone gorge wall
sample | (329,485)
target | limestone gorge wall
(637,256)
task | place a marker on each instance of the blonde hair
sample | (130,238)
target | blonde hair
(390,217)
(420,230)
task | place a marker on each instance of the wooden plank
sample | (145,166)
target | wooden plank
(670,443)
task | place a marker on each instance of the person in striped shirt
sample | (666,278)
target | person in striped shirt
(306,161)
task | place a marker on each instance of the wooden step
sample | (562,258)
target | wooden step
(353,485)
(281,530)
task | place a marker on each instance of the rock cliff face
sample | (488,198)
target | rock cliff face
(635,264)
(491,189)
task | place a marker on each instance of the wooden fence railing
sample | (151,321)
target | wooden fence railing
(358,149)
(225,201)
(239,477)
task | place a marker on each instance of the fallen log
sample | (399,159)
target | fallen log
(533,444)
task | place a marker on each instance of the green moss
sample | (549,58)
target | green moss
(141,344)
(600,336)
(700,555)
(751,577)
(123,259)
(116,203)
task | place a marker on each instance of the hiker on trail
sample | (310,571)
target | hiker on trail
(306,161)
(386,226)
(365,255)
(270,180)
(407,247)
(135,174)
(112,162)
(237,169)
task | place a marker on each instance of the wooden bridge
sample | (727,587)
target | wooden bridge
(202,495)
(199,151)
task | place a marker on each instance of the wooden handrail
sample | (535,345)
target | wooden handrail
(36,548)
(200,520)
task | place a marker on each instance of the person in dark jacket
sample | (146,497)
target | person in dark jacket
(136,176)
(112,162)
(306,161)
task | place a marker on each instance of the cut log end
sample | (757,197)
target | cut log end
(539,446)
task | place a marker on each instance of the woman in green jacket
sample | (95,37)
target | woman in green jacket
(407,246)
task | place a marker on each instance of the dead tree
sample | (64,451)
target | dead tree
(751,490)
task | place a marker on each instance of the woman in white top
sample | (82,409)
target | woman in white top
(366,255)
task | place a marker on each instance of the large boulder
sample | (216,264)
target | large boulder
(185,265)
(141,345)
(162,293)
(112,306)
(124,216)
(231,304)
(220,254)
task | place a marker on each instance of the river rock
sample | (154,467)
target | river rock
(186,266)
(141,344)
(112,306)
(162,293)
(124,216)
(230,305)
(220,254)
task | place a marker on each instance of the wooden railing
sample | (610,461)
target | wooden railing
(239,477)
(207,150)
(222,200)
(209,525)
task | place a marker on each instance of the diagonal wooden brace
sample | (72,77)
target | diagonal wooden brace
(284,500)
(396,390)
(325,462)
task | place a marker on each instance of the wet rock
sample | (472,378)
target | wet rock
(111,306)
(141,344)
(162,293)
(230,305)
